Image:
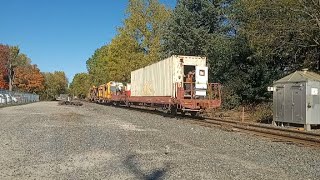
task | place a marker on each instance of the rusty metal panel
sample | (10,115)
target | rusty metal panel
(159,79)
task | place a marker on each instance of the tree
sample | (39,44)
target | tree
(268,40)
(80,85)
(145,22)
(285,33)
(17,72)
(191,27)
(12,63)
(28,79)
(204,27)
(97,66)
(55,83)
(4,56)
(12,60)
(138,42)
(125,55)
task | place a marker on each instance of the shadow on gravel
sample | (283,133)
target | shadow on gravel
(133,165)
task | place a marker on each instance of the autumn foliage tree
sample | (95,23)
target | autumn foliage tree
(11,60)
(4,55)
(28,79)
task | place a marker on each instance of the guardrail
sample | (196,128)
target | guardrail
(14,98)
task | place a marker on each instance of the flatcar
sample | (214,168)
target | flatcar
(178,84)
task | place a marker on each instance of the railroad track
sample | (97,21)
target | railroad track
(276,133)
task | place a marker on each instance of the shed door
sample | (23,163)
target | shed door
(280,104)
(297,104)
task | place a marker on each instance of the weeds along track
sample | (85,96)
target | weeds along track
(276,133)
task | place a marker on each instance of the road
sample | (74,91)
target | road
(48,141)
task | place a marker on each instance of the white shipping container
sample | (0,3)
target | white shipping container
(159,79)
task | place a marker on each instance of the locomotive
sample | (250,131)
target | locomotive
(178,84)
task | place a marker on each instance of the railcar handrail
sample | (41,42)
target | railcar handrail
(187,89)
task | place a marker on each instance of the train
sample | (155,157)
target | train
(176,85)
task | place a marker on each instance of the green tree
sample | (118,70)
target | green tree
(269,39)
(285,33)
(55,83)
(138,42)
(145,22)
(97,66)
(191,27)
(204,27)
(125,55)
(80,85)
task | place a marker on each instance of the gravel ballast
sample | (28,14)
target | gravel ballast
(49,141)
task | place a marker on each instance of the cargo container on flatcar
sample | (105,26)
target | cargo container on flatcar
(159,79)
(177,84)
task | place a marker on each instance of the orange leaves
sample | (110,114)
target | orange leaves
(3,82)
(28,78)
(3,78)
(4,56)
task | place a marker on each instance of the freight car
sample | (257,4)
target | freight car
(178,84)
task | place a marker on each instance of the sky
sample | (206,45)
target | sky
(60,35)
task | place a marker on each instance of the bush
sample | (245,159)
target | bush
(230,100)
(262,113)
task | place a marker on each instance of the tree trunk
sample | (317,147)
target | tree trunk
(10,76)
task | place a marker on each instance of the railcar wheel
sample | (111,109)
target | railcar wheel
(127,104)
(193,113)
(173,111)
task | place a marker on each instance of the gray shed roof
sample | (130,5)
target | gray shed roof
(300,76)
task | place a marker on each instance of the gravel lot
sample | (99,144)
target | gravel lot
(47,141)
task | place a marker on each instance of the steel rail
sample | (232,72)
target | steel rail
(287,135)
(267,127)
